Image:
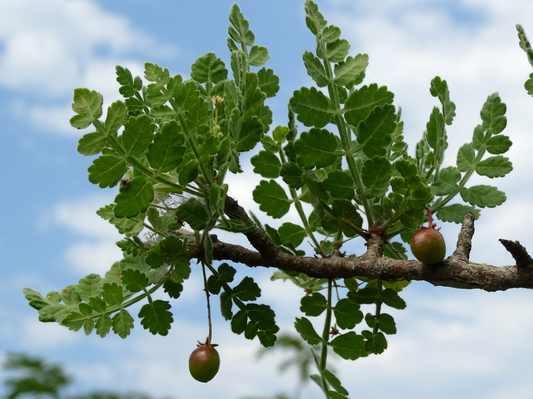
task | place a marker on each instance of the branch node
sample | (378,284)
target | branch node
(524,262)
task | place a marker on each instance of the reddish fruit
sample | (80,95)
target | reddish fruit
(204,362)
(428,244)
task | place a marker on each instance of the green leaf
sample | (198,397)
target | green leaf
(374,134)
(154,73)
(377,173)
(529,84)
(497,166)
(268,82)
(456,212)
(524,43)
(335,51)
(347,72)
(366,295)
(194,213)
(311,106)
(107,170)
(156,317)
(483,196)
(103,325)
(290,233)
(92,143)
(335,383)
(315,69)
(249,134)
(236,226)
(122,323)
(330,34)
(439,88)
(446,181)
(466,157)
(349,346)
(134,197)
(493,114)
(126,226)
(313,18)
(112,294)
(181,270)
(307,331)
(271,198)
(391,298)
(85,309)
(117,115)
(247,290)
(386,323)
(347,314)
(166,151)
(436,133)
(498,144)
(97,304)
(225,305)
(209,69)
(225,274)
(376,343)
(258,56)
(314,304)
(172,289)
(239,322)
(128,85)
(89,286)
(134,280)
(266,164)
(340,185)
(292,173)
(316,148)
(88,105)
(69,295)
(74,321)
(240,29)
(138,134)
(361,102)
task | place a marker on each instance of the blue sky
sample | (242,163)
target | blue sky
(450,343)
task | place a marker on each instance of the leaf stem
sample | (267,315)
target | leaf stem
(208,304)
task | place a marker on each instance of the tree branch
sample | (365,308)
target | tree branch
(456,271)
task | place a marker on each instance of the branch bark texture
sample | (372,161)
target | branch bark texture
(456,271)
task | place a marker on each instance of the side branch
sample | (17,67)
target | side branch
(456,271)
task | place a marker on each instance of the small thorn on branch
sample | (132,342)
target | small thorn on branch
(524,262)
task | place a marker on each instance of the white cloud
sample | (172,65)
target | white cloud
(36,335)
(95,251)
(53,46)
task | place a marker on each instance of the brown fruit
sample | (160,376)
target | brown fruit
(428,244)
(204,362)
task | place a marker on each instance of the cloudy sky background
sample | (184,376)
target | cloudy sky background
(450,343)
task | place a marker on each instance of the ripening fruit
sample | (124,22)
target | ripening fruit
(204,362)
(428,244)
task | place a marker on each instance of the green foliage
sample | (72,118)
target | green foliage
(171,143)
